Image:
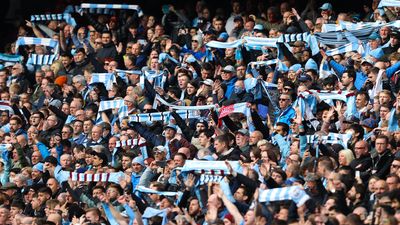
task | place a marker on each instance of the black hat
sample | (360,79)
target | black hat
(51,159)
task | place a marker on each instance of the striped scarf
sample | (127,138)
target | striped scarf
(294,193)
(263,63)
(177,107)
(344,25)
(331,138)
(85,177)
(141,143)
(123,74)
(350,47)
(339,37)
(35,59)
(37,41)
(108,79)
(304,37)
(106,105)
(105,8)
(48,17)
(324,69)
(11,58)
(146,190)
(210,167)
(161,116)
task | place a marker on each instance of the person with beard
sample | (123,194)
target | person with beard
(355,196)
(363,161)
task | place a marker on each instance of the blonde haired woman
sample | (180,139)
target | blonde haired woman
(345,157)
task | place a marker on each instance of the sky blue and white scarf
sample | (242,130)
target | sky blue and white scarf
(105,8)
(11,58)
(48,17)
(331,138)
(294,193)
(108,79)
(35,59)
(37,41)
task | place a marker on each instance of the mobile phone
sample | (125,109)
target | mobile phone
(260,161)
(358,173)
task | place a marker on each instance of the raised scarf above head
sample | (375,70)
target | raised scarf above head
(162,116)
(344,25)
(108,79)
(177,107)
(107,7)
(35,59)
(294,193)
(210,167)
(331,138)
(49,42)
(59,17)
(86,177)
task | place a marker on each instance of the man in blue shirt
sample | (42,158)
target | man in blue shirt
(286,113)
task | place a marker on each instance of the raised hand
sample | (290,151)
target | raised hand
(189,182)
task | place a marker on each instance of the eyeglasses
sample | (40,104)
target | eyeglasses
(195,41)
(395,166)
(14,68)
(283,99)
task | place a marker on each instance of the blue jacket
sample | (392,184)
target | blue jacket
(230,86)
(285,116)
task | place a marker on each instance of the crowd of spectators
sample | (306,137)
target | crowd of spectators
(327,123)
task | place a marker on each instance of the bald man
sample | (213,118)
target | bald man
(255,137)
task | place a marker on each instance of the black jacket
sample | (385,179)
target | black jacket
(381,164)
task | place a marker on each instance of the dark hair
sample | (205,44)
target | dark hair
(351,74)
(366,95)
(45,190)
(223,139)
(284,126)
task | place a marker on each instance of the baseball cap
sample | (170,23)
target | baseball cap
(370,123)
(304,77)
(202,121)
(395,34)
(207,82)
(364,60)
(243,131)
(374,36)
(171,126)
(229,68)
(159,148)
(258,27)
(351,120)
(326,6)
